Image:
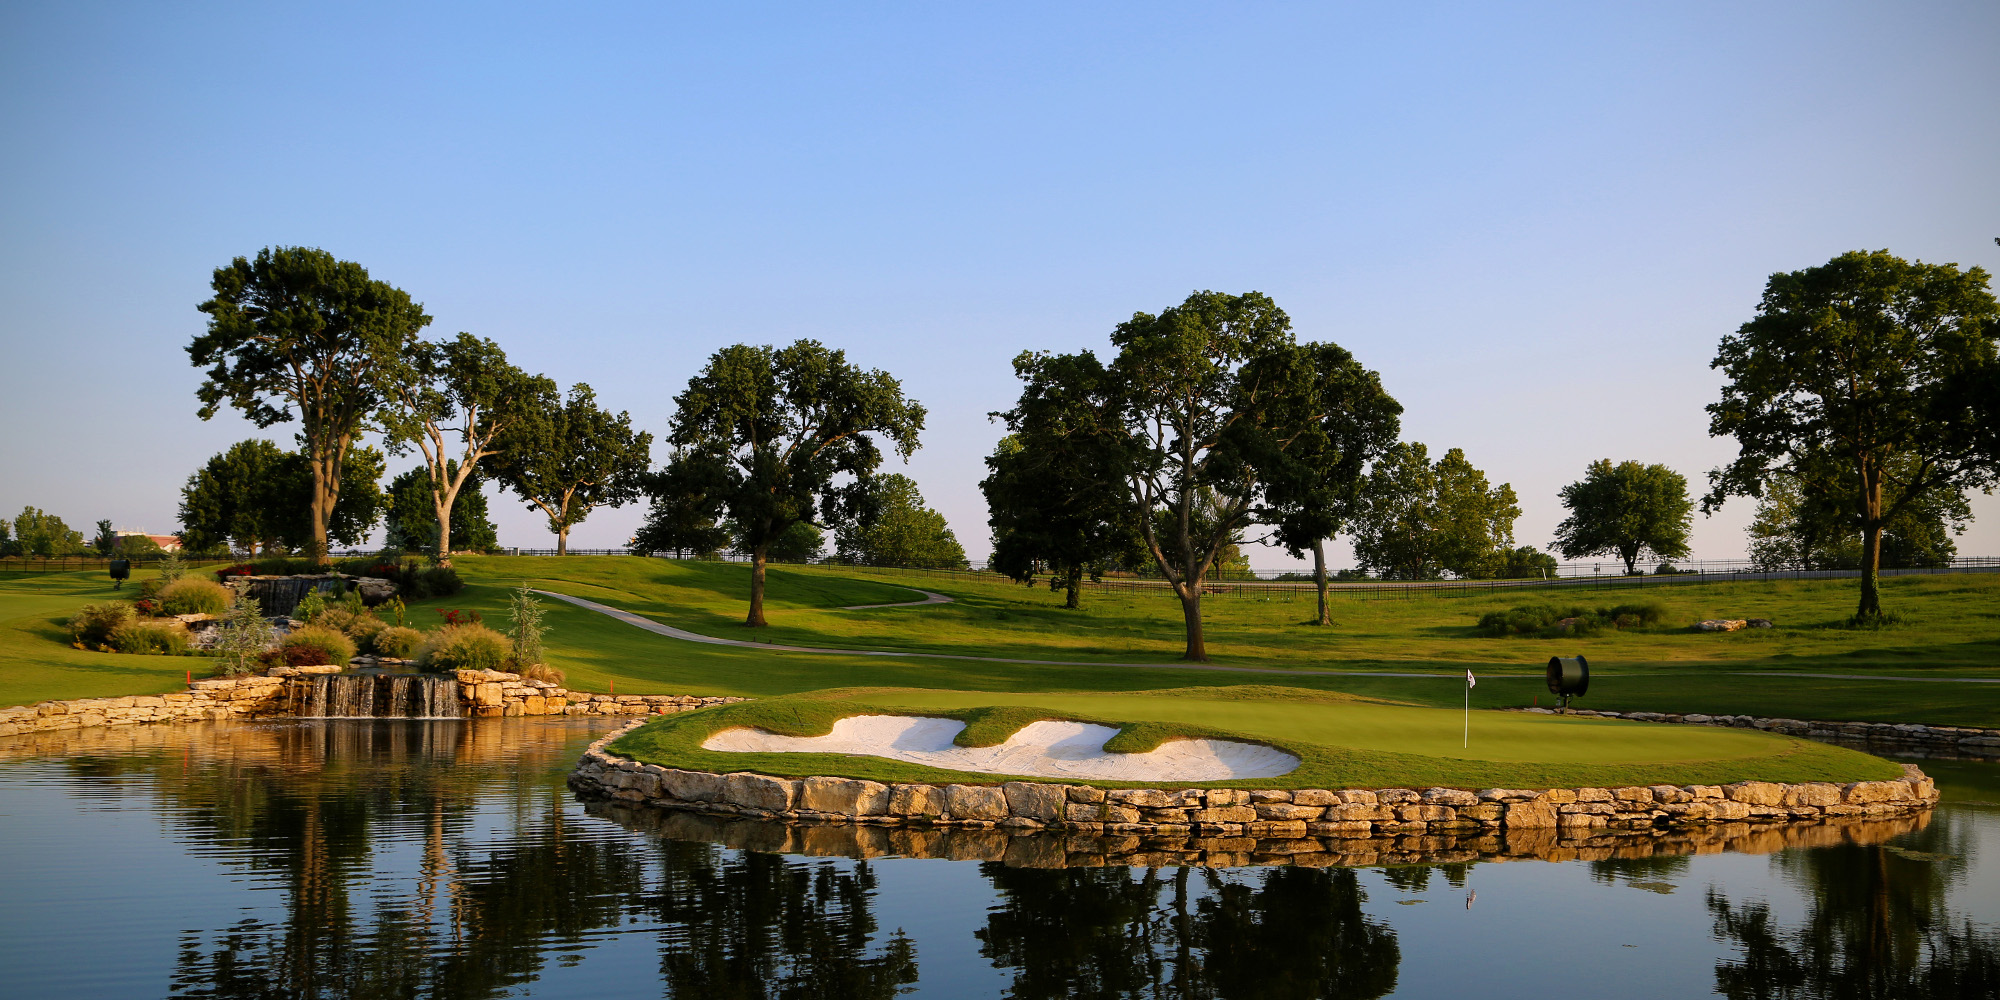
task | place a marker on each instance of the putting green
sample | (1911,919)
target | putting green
(1343,742)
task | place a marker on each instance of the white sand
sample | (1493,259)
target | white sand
(1039,749)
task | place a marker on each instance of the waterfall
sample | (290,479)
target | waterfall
(381,696)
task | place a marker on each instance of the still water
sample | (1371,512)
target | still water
(447,859)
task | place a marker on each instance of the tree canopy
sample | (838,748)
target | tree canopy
(899,531)
(1797,529)
(1055,493)
(40,533)
(1315,487)
(460,403)
(1419,520)
(298,334)
(1862,379)
(1627,509)
(766,438)
(570,460)
(256,497)
(411,517)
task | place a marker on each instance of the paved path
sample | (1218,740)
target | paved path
(929,598)
(1873,677)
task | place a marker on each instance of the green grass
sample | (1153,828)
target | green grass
(1342,742)
(37,662)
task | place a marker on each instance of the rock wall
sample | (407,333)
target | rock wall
(489,693)
(1083,849)
(1903,736)
(278,693)
(1233,812)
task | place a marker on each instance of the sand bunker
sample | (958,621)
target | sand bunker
(1039,749)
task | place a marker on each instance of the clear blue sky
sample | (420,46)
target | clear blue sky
(1535,222)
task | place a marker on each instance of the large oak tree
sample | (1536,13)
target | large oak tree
(297,334)
(766,438)
(1862,378)
(569,460)
(1626,509)
(1420,519)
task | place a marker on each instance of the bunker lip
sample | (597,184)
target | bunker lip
(1043,749)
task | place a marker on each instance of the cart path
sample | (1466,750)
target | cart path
(929,598)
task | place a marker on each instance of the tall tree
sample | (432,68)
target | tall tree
(297,330)
(1419,520)
(684,515)
(39,533)
(770,437)
(460,403)
(569,461)
(106,542)
(899,531)
(258,498)
(1211,393)
(1055,495)
(1628,509)
(411,521)
(1316,485)
(1867,364)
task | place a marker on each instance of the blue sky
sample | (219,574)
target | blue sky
(1535,222)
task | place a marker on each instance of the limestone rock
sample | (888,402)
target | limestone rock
(981,802)
(1035,800)
(759,791)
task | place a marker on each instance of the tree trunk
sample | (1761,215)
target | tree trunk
(441,503)
(1075,584)
(326,491)
(1871,547)
(562,541)
(1319,580)
(1190,594)
(1631,557)
(756,619)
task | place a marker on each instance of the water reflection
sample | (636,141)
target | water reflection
(1877,924)
(446,859)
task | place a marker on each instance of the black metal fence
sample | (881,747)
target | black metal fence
(32,565)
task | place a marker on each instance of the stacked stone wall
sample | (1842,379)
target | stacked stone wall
(278,693)
(1235,812)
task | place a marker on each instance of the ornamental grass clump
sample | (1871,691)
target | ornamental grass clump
(243,636)
(525,634)
(398,642)
(463,647)
(194,596)
(150,638)
(314,645)
(91,626)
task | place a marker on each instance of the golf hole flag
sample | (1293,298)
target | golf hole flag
(1466,740)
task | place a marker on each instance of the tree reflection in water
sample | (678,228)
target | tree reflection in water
(760,925)
(1876,926)
(1274,933)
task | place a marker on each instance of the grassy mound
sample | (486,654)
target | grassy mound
(1342,741)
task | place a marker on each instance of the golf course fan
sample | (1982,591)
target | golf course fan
(1568,677)
(120,570)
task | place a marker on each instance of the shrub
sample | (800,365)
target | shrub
(315,645)
(440,581)
(227,573)
(542,672)
(151,588)
(397,641)
(463,647)
(92,625)
(146,606)
(155,638)
(190,596)
(454,616)
(1527,619)
(310,607)
(1635,614)
(1546,620)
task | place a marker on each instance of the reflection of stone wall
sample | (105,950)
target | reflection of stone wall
(1240,813)
(281,691)
(1903,736)
(497,693)
(1024,848)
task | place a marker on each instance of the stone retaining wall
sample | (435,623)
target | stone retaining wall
(278,692)
(1964,740)
(1082,849)
(1232,812)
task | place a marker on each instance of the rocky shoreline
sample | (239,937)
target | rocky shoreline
(1231,812)
(1903,736)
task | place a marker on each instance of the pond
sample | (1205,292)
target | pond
(447,859)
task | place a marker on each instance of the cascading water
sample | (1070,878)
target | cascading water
(381,696)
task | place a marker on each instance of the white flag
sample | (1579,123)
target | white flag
(1469,682)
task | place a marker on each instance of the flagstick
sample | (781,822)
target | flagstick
(1467,741)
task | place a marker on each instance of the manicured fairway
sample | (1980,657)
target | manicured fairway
(1343,742)
(38,664)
